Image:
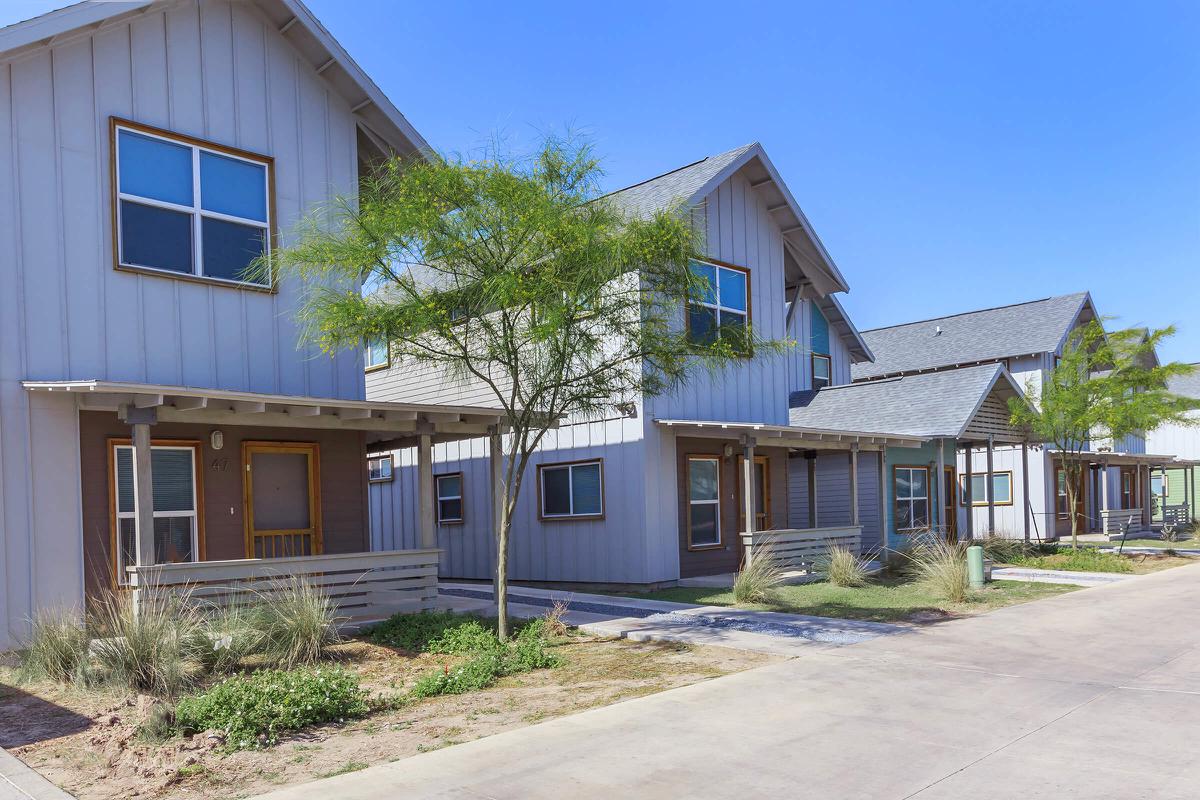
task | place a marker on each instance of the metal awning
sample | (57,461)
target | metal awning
(394,424)
(790,435)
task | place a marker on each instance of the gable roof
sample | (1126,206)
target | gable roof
(931,404)
(990,334)
(1186,385)
(380,122)
(687,186)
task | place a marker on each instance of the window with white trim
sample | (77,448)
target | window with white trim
(912,498)
(190,209)
(449,498)
(571,491)
(379,469)
(725,303)
(704,501)
(376,355)
(1001,488)
(173,472)
(822,370)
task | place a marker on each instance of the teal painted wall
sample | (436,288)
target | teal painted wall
(921,456)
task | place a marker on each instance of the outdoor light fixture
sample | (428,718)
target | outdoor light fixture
(217,440)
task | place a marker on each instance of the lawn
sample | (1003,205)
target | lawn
(1185,544)
(1091,559)
(882,600)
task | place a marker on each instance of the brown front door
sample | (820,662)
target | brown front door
(282,489)
(949,505)
(1063,518)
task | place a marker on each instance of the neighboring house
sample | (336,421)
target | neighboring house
(662,491)
(951,409)
(1027,339)
(1174,487)
(155,404)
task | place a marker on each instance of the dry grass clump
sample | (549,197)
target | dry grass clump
(757,580)
(842,567)
(941,566)
(58,646)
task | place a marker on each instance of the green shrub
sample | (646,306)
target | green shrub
(490,659)
(414,632)
(58,646)
(1004,550)
(297,623)
(254,709)
(468,636)
(941,566)
(842,567)
(756,582)
(1084,559)
(478,673)
(153,651)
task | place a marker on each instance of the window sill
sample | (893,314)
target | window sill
(201,279)
(700,548)
(380,480)
(572,518)
(376,368)
(451,523)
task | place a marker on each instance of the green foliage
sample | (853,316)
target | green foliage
(478,673)
(1008,550)
(1083,559)
(842,567)
(228,636)
(1106,385)
(414,632)
(940,566)
(152,651)
(58,646)
(757,581)
(297,623)
(253,710)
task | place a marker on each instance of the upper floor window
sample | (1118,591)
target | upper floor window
(376,355)
(822,364)
(821,371)
(726,302)
(187,207)
(571,491)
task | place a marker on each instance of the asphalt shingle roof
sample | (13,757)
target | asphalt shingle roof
(645,198)
(1186,385)
(930,404)
(993,333)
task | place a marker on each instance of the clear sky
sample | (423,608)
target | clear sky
(950,155)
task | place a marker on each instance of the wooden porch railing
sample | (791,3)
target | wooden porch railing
(1176,514)
(364,586)
(801,549)
(1111,519)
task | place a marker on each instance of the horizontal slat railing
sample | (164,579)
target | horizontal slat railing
(802,549)
(1111,519)
(364,586)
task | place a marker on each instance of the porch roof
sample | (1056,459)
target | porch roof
(790,435)
(1127,459)
(393,424)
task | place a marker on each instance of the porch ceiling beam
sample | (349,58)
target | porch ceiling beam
(248,407)
(400,416)
(190,403)
(353,413)
(303,411)
(438,416)
(147,400)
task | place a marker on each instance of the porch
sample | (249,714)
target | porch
(224,493)
(1119,493)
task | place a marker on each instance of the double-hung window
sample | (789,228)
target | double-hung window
(704,501)
(379,469)
(821,371)
(449,498)
(176,531)
(912,498)
(1001,489)
(189,208)
(725,302)
(571,491)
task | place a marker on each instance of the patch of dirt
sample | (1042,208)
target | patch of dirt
(88,743)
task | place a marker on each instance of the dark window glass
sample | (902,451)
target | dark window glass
(586,489)
(229,248)
(155,237)
(172,540)
(556,491)
(704,524)
(450,510)
(702,324)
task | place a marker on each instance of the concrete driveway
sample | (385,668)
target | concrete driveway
(1095,694)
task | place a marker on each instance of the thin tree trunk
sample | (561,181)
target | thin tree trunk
(503,528)
(1070,471)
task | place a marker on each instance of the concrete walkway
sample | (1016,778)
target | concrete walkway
(1093,694)
(1064,576)
(19,782)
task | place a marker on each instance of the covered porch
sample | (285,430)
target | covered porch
(1120,493)
(738,478)
(213,492)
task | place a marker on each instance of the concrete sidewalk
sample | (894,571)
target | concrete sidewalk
(1093,694)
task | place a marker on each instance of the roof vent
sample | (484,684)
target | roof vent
(937,331)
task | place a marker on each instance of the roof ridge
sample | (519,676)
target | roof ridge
(678,169)
(974,311)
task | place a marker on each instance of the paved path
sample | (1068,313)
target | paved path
(1093,694)
(1069,577)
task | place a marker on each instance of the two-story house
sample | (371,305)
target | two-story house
(1173,487)
(667,489)
(157,402)
(1026,339)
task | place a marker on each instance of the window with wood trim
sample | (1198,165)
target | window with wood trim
(449,498)
(1060,493)
(571,490)
(822,371)
(725,304)
(911,492)
(1002,488)
(704,501)
(177,534)
(379,469)
(1129,487)
(187,207)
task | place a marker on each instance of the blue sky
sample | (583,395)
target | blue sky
(950,155)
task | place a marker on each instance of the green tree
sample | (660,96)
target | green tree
(1106,385)
(518,276)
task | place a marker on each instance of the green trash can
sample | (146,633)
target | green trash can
(975,566)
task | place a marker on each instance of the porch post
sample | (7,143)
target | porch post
(425,491)
(144,491)
(883,508)
(968,474)
(1025,486)
(748,504)
(1143,490)
(1187,496)
(1104,504)
(854,484)
(811,457)
(939,481)
(991,486)
(496,463)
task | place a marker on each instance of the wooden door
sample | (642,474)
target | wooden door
(950,505)
(282,499)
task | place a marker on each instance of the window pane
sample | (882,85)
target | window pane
(377,352)
(920,486)
(229,248)
(821,368)
(702,479)
(153,168)
(730,319)
(450,510)
(709,272)
(173,540)
(733,289)
(1002,487)
(379,468)
(920,514)
(155,237)
(232,186)
(704,530)
(903,483)
(702,324)
(903,515)
(556,497)
(586,480)
(450,486)
(125,490)
(978,488)
(171,471)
